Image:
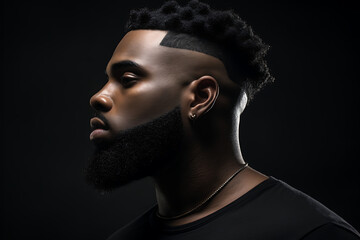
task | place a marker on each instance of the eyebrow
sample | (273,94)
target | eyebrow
(122,65)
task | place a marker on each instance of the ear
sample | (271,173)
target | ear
(203,94)
(242,102)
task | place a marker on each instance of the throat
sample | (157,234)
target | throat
(196,188)
(243,182)
(206,200)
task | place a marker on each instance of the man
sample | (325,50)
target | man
(177,84)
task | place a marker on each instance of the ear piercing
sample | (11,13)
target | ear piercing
(192,116)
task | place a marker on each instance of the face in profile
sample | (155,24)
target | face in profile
(139,126)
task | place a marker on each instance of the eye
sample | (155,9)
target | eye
(128,79)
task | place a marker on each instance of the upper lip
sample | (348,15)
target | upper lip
(97,123)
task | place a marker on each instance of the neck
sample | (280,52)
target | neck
(199,171)
(201,168)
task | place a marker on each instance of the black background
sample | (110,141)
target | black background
(302,129)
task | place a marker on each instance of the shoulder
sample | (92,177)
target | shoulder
(137,229)
(288,201)
(331,231)
(291,212)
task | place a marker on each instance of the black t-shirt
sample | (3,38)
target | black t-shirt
(271,210)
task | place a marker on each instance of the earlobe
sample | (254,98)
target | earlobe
(205,91)
(192,116)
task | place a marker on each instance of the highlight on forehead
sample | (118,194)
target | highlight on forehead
(189,42)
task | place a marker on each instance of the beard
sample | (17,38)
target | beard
(137,152)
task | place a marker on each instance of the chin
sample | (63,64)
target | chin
(136,153)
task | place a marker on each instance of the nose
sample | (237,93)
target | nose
(101,102)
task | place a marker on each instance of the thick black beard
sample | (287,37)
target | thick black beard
(137,152)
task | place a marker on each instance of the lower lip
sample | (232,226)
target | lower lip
(98,133)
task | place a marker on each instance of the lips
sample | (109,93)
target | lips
(97,123)
(100,129)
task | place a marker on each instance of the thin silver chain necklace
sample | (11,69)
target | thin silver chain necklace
(206,200)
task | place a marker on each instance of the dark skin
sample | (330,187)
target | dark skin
(162,79)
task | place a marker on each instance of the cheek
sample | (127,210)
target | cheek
(145,102)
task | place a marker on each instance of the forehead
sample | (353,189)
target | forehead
(143,47)
(139,44)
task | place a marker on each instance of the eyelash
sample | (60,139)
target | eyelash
(128,81)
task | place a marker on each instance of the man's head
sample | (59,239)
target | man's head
(171,66)
(231,39)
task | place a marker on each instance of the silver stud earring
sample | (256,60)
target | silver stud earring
(192,116)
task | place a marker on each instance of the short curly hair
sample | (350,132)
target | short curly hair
(245,52)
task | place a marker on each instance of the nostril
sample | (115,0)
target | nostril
(101,103)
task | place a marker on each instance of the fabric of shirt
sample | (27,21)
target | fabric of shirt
(271,210)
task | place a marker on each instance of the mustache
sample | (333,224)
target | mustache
(136,152)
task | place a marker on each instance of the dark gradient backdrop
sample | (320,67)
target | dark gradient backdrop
(304,129)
